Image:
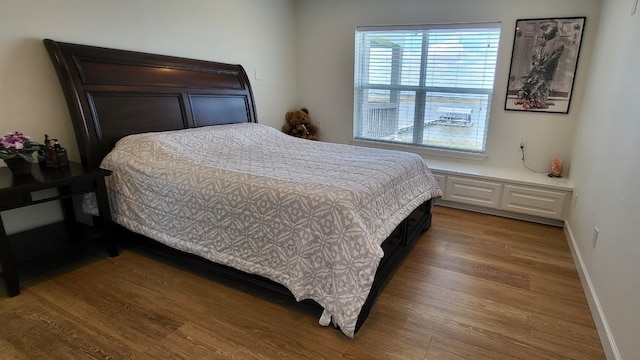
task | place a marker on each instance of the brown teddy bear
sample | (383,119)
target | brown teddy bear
(299,125)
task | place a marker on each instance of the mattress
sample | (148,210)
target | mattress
(308,215)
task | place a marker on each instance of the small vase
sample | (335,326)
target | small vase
(18,166)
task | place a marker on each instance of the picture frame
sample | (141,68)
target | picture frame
(544,60)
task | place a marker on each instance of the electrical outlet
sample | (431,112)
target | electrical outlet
(595,237)
(575,200)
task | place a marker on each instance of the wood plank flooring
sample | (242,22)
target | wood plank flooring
(475,287)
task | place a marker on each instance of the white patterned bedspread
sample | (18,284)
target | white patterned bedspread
(308,215)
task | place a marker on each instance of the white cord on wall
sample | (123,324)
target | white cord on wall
(525,164)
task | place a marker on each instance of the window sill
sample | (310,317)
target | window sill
(420,150)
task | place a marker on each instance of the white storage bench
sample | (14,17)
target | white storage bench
(515,193)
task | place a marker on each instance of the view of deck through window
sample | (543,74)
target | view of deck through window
(425,86)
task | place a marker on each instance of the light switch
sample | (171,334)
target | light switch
(259,75)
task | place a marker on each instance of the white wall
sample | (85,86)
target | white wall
(257,34)
(606,173)
(325,67)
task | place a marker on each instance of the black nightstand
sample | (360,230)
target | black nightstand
(29,246)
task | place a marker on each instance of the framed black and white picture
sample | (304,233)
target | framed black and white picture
(543,64)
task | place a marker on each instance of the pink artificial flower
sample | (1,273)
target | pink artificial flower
(17,144)
(15,140)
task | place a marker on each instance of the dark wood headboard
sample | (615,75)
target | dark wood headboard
(113,93)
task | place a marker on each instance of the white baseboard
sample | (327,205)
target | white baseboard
(606,337)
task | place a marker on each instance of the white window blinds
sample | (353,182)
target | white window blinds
(425,85)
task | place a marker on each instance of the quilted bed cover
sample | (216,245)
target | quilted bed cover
(308,215)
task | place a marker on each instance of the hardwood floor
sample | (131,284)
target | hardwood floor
(474,287)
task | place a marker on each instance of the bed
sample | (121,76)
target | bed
(327,224)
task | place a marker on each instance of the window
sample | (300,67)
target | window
(428,85)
